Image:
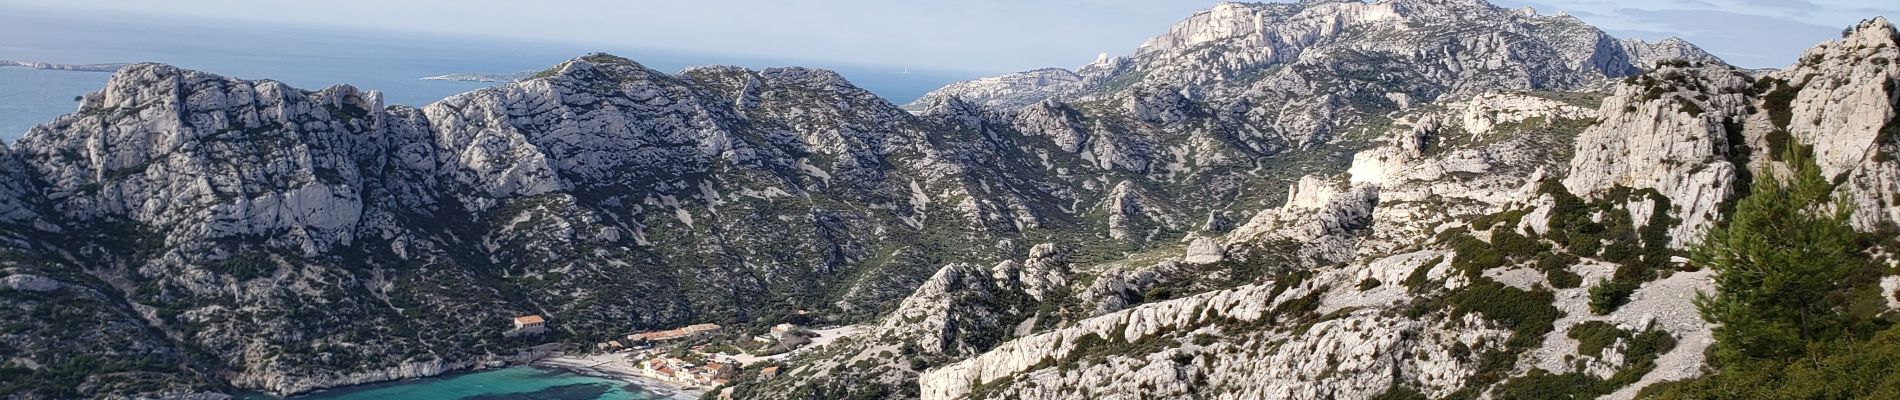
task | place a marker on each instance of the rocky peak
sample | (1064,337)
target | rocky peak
(1007,91)
(193,138)
(1841,99)
(1684,112)
(1269,52)
(1646,55)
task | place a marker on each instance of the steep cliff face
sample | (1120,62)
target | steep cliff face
(1841,99)
(286,161)
(298,240)
(1683,114)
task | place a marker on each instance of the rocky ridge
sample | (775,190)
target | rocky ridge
(1461,206)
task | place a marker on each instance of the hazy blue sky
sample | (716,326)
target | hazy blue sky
(968,35)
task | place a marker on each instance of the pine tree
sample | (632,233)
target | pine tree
(1784,265)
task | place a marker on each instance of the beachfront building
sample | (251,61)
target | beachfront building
(529,324)
(678,371)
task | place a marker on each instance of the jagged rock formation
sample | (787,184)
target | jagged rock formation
(1007,91)
(1684,151)
(1244,48)
(1841,98)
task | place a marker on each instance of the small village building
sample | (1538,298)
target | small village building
(529,325)
(768,372)
(722,370)
(529,321)
(782,329)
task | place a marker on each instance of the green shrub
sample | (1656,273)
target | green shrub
(1556,267)
(1421,275)
(1593,336)
(1474,256)
(1583,244)
(1527,313)
(1548,261)
(1516,246)
(1563,278)
(1607,295)
(1848,369)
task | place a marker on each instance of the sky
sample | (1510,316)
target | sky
(990,36)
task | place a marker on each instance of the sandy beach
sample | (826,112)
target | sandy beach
(615,365)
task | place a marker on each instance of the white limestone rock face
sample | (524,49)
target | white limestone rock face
(954,310)
(18,201)
(1061,124)
(31,283)
(1133,214)
(1204,251)
(1321,214)
(934,313)
(212,157)
(1668,131)
(1485,111)
(1683,130)
(1009,90)
(1645,54)
(1271,73)
(1845,104)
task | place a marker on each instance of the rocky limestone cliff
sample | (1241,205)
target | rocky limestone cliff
(1841,99)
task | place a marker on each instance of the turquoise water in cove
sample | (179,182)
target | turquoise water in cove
(312,57)
(513,383)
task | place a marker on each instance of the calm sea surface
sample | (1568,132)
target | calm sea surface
(512,383)
(311,58)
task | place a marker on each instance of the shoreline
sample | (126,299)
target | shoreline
(602,365)
(107,67)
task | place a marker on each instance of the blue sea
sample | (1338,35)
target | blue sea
(313,57)
(514,383)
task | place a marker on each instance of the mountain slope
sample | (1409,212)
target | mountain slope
(1502,245)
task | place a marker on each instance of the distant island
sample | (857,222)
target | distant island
(64,67)
(505,78)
